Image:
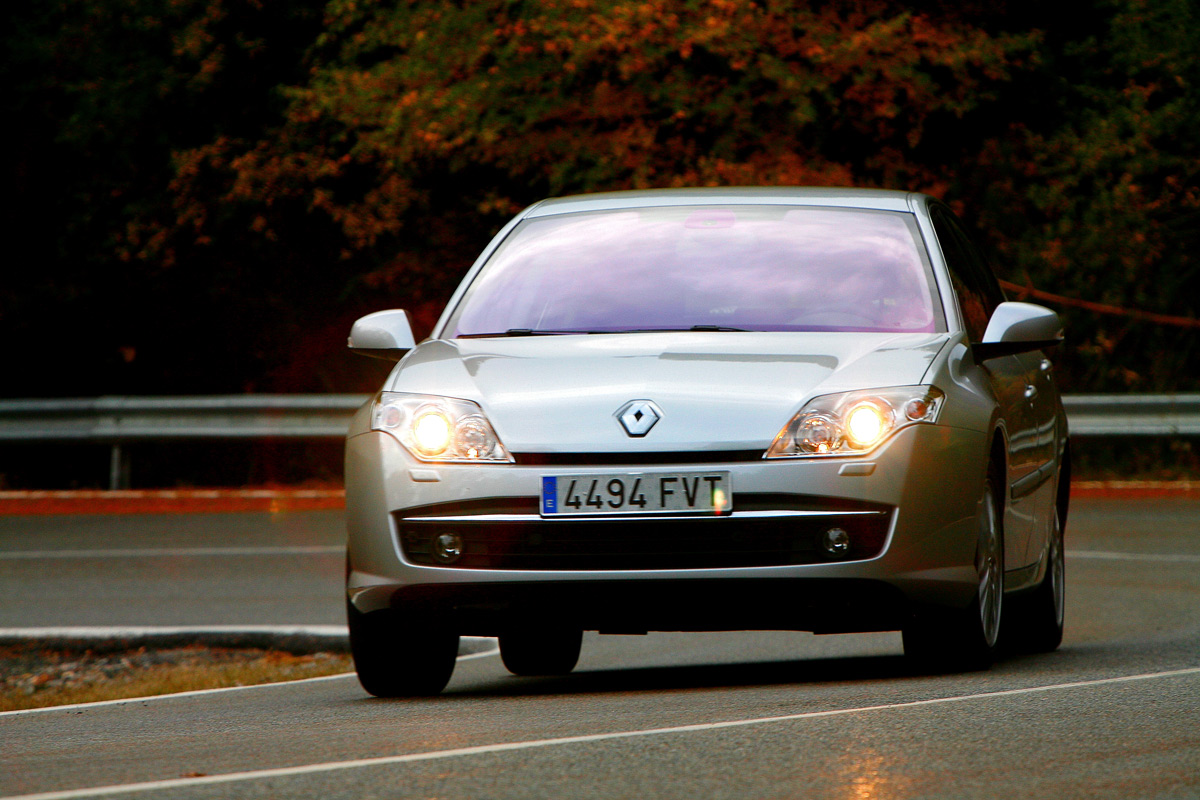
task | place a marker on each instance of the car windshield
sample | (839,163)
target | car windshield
(755,268)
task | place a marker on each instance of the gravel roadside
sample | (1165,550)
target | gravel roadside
(60,667)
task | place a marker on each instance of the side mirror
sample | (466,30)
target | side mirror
(384,334)
(1018,328)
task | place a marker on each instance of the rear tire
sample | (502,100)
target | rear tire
(967,639)
(540,652)
(395,659)
(1036,624)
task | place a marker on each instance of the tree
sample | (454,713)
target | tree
(104,93)
(424,126)
(1098,191)
(211,190)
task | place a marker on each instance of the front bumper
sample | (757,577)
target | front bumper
(759,567)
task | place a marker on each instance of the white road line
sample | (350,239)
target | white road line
(1105,555)
(175,695)
(409,758)
(492,650)
(175,552)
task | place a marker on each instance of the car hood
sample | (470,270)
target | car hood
(716,391)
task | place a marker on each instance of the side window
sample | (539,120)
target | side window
(986,279)
(969,284)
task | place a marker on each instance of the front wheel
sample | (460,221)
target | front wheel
(397,659)
(968,638)
(540,652)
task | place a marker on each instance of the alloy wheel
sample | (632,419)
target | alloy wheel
(990,566)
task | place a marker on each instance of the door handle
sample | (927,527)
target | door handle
(1045,365)
(1030,392)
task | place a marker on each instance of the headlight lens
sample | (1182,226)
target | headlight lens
(866,423)
(854,423)
(818,434)
(431,432)
(438,428)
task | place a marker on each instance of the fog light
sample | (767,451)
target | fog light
(836,542)
(448,547)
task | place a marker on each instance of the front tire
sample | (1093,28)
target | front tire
(540,652)
(395,659)
(968,638)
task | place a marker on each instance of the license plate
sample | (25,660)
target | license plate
(636,493)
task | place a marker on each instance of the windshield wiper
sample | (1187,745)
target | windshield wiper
(519,332)
(548,332)
(697,328)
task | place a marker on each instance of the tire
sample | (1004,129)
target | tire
(968,639)
(394,659)
(534,652)
(1036,624)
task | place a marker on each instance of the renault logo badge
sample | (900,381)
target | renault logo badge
(637,417)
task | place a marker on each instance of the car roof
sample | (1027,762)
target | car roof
(879,199)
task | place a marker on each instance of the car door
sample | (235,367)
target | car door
(1039,490)
(978,295)
(1033,494)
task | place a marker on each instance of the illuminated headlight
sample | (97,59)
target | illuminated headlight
(438,428)
(431,432)
(866,423)
(854,423)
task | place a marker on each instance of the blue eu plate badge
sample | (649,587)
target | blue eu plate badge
(549,495)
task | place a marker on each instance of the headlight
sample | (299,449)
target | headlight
(854,423)
(438,428)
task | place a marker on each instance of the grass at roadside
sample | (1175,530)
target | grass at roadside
(34,676)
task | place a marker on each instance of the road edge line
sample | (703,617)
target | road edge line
(335,766)
(471,647)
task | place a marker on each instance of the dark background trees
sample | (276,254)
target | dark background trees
(205,193)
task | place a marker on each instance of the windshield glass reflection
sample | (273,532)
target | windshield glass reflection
(760,268)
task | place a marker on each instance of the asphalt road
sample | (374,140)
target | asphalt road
(1115,713)
(172,569)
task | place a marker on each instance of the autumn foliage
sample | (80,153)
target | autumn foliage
(238,180)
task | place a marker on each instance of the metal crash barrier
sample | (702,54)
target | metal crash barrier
(120,421)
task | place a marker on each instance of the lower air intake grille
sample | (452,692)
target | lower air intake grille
(642,544)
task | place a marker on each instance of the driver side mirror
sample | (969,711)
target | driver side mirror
(1018,328)
(384,334)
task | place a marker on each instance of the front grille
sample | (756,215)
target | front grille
(649,457)
(493,539)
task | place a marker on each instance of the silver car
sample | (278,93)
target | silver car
(698,410)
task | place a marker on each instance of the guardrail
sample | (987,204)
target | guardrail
(1133,414)
(131,419)
(117,421)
